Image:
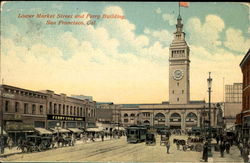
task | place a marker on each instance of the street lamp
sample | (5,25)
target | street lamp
(57,127)
(209,83)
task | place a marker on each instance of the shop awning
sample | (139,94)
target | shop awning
(75,130)
(120,128)
(4,132)
(43,131)
(94,129)
(60,130)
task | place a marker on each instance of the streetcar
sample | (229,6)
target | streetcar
(136,134)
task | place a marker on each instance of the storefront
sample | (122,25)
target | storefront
(65,122)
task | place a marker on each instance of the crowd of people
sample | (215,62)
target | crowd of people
(224,144)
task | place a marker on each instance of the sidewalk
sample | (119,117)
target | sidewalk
(232,157)
(8,152)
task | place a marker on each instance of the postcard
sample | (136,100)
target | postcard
(124,81)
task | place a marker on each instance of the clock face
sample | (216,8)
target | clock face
(178,74)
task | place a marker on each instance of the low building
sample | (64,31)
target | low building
(173,116)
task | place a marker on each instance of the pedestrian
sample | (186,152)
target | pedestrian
(10,142)
(241,148)
(177,144)
(205,152)
(218,138)
(245,154)
(167,145)
(72,141)
(222,149)
(102,137)
(227,146)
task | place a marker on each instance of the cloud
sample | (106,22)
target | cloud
(158,10)
(235,41)
(170,18)
(101,58)
(203,61)
(206,34)
(163,36)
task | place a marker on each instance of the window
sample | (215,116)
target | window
(71,111)
(78,111)
(41,109)
(55,109)
(182,91)
(63,109)
(81,112)
(33,109)
(178,84)
(178,99)
(74,110)
(17,107)
(50,108)
(173,91)
(26,111)
(6,106)
(125,120)
(59,109)
(67,110)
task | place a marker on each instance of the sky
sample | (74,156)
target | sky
(124,59)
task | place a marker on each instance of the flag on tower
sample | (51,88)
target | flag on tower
(184,4)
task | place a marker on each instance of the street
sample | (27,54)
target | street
(119,150)
(111,150)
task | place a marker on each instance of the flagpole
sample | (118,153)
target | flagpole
(179,8)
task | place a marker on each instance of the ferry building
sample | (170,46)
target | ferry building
(179,112)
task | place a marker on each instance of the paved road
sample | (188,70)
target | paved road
(111,150)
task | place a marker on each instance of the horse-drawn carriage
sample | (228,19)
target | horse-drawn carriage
(35,143)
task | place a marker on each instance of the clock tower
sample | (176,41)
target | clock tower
(179,83)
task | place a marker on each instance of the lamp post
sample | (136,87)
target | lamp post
(209,83)
(57,127)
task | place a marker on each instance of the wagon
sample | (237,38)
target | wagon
(150,139)
(195,144)
(164,137)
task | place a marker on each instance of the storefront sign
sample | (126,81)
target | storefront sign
(65,118)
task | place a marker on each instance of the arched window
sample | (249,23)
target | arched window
(132,114)
(125,115)
(175,117)
(160,118)
(191,117)
(146,122)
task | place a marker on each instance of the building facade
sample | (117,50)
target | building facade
(108,116)
(23,111)
(245,114)
(232,105)
(179,112)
